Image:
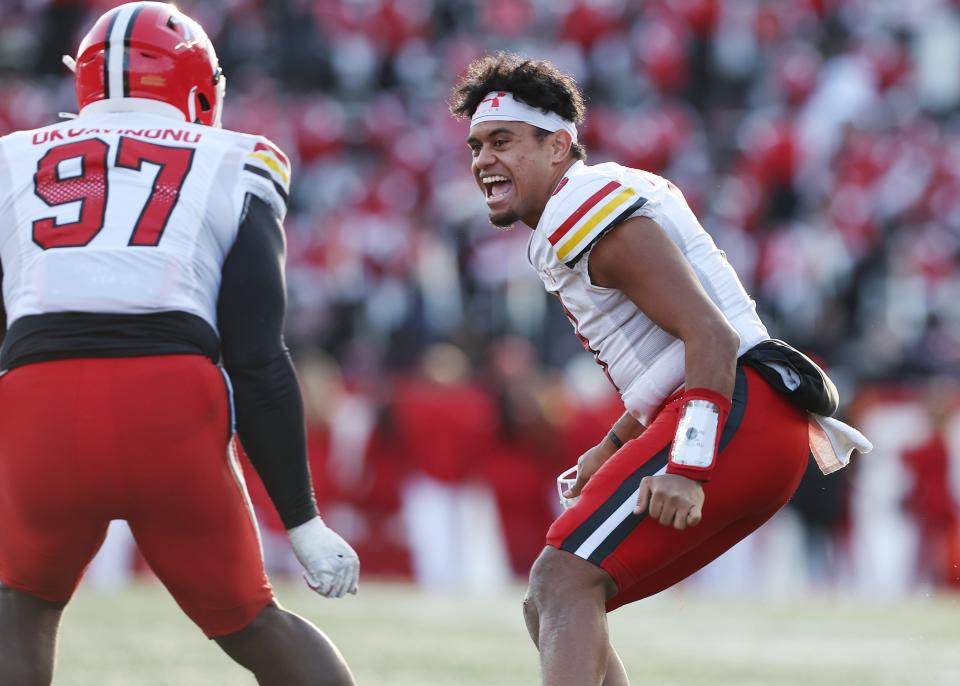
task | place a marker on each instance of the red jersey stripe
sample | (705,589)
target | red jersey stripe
(276,153)
(582,210)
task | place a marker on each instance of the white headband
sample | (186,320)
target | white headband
(502,106)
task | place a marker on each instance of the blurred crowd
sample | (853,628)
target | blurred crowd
(817,140)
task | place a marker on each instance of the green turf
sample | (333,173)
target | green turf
(395,635)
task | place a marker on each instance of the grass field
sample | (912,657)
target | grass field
(398,636)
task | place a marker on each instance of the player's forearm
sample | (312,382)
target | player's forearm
(271,427)
(711,359)
(624,429)
(711,367)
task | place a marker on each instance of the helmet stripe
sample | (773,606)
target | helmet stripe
(106,56)
(126,50)
(116,54)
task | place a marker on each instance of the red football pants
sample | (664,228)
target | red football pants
(763,454)
(144,439)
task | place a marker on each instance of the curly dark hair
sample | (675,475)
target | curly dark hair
(538,83)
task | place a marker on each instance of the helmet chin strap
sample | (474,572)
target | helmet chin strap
(192,106)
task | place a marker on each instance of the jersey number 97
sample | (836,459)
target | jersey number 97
(90,188)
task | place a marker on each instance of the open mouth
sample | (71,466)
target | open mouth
(496,188)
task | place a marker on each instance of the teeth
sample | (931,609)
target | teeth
(493,179)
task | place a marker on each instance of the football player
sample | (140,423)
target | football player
(141,244)
(716,433)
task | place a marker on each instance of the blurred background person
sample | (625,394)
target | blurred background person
(444,423)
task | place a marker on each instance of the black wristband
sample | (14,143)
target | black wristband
(615,440)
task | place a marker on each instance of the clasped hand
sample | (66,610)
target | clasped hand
(671,499)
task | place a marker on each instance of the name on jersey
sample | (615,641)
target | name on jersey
(180,135)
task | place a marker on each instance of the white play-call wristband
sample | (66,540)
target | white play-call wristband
(694,444)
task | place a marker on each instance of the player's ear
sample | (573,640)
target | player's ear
(560,145)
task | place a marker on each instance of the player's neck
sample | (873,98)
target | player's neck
(141,105)
(533,218)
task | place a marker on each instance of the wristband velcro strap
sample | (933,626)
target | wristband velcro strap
(697,438)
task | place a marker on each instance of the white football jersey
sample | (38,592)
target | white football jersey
(644,362)
(126,212)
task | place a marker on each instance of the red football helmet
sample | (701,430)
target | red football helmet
(151,50)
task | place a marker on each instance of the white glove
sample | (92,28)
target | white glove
(331,566)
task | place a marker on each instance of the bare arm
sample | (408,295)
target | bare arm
(639,259)
(625,429)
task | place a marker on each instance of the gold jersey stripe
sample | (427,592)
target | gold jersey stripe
(273,164)
(592,223)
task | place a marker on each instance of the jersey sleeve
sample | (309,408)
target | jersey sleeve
(269,406)
(587,210)
(266,174)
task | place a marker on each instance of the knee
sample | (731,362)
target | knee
(559,577)
(531,615)
(541,575)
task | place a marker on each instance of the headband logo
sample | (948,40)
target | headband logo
(504,106)
(495,100)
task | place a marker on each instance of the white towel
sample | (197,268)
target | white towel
(832,442)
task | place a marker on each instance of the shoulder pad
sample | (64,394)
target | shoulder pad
(588,205)
(267,172)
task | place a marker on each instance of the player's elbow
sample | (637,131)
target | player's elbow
(717,336)
(728,337)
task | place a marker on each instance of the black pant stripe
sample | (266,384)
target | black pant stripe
(610,505)
(623,529)
(738,406)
